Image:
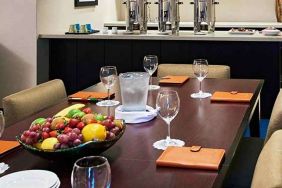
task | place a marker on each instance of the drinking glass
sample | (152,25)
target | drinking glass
(91,172)
(150,64)
(201,69)
(108,76)
(167,105)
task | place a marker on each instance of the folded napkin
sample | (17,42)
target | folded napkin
(7,145)
(173,79)
(84,95)
(232,96)
(135,116)
(191,157)
(3,167)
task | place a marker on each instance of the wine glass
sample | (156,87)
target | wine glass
(91,172)
(2,123)
(201,69)
(108,76)
(150,64)
(167,105)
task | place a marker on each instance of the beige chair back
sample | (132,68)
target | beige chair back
(215,71)
(268,171)
(275,122)
(24,103)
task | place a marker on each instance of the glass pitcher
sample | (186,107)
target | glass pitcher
(134,90)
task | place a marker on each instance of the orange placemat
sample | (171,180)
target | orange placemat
(186,157)
(7,145)
(90,94)
(173,79)
(232,96)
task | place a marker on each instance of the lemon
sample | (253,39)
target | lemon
(38,145)
(48,143)
(94,131)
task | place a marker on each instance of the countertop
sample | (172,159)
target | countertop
(261,25)
(183,35)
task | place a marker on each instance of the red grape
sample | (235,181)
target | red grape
(63,138)
(64,146)
(29,141)
(61,126)
(76,131)
(46,129)
(87,110)
(108,124)
(72,136)
(73,122)
(49,120)
(35,127)
(80,137)
(111,136)
(47,124)
(23,138)
(57,146)
(26,133)
(77,142)
(111,118)
(115,130)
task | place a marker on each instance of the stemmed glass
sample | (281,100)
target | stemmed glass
(201,69)
(91,172)
(108,76)
(167,105)
(150,64)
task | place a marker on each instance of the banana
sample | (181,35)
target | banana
(65,111)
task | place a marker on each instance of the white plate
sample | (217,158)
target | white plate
(247,32)
(269,32)
(57,185)
(30,179)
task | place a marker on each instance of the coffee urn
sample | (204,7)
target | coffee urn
(168,16)
(204,16)
(136,15)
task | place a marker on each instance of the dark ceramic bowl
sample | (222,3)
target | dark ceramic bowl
(84,149)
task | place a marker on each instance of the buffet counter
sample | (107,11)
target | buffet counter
(182,36)
(76,59)
(218,25)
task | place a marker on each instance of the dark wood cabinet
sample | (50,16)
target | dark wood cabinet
(118,53)
(63,62)
(90,58)
(77,62)
(141,48)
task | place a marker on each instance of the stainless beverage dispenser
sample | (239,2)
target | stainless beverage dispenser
(204,16)
(168,15)
(136,15)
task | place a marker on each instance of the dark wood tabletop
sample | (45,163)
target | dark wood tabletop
(132,158)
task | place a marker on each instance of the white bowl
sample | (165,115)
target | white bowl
(271,32)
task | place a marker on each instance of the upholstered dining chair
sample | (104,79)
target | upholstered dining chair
(268,170)
(24,103)
(215,71)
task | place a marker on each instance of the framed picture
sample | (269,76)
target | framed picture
(80,3)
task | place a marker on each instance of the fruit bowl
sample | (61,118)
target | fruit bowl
(84,149)
(74,132)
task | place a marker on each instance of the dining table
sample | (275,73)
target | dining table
(200,122)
